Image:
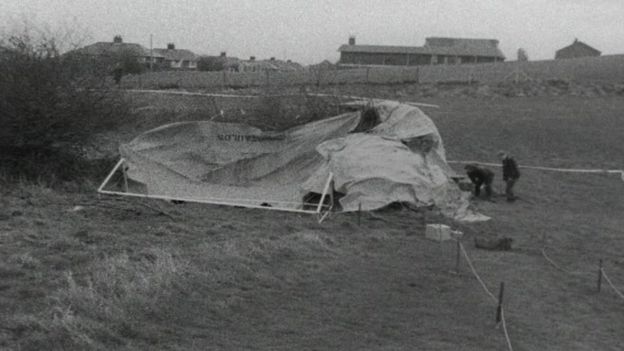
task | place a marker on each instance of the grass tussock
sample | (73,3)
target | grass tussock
(231,262)
(300,244)
(101,309)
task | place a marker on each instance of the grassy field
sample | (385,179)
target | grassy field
(79,271)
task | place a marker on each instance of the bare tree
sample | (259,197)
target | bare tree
(522,55)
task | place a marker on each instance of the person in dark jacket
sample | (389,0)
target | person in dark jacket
(480,176)
(510,174)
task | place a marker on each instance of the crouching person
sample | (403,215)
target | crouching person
(480,177)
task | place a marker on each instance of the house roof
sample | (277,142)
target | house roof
(106,48)
(260,65)
(276,65)
(435,46)
(384,49)
(577,44)
(175,54)
(230,61)
(464,46)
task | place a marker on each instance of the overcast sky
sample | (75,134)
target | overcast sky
(309,31)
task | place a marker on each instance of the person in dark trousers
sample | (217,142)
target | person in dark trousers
(480,176)
(510,174)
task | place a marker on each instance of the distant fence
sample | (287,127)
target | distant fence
(604,68)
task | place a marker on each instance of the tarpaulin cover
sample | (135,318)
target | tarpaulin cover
(401,158)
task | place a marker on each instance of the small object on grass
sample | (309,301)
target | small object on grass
(77,208)
(498,244)
(438,232)
(456,234)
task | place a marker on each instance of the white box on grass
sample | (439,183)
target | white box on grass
(438,232)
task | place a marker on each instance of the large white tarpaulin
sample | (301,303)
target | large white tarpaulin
(397,157)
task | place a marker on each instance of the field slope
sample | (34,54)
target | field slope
(80,271)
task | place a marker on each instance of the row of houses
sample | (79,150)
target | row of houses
(169,57)
(234,64)
(440,50)
(435,51)
(173,58)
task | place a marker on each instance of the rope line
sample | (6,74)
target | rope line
(565,170)
(602,271)
(505,329)
(474,272)
(555,264)
(502,315)
(617,291)
(188,93)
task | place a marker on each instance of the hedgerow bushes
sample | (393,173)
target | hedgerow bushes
(51,104)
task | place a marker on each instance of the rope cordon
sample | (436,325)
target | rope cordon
(554,264)
(617,291)
(553,169)
(602,272)
(485,288)
(474,272)
(505,329)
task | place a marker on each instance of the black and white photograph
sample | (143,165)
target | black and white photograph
(311,175)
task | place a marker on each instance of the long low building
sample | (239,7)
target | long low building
(435,51)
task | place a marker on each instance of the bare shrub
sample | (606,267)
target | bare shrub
(210,63)
(50,104)
(280,107)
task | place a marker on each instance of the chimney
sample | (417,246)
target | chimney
(170,46)
(252,58)
(223,54)
(352,40)
(117,39)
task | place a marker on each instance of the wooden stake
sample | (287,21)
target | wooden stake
(125,177)
(359,215)
(599,274)
(457,256)
(499,308)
